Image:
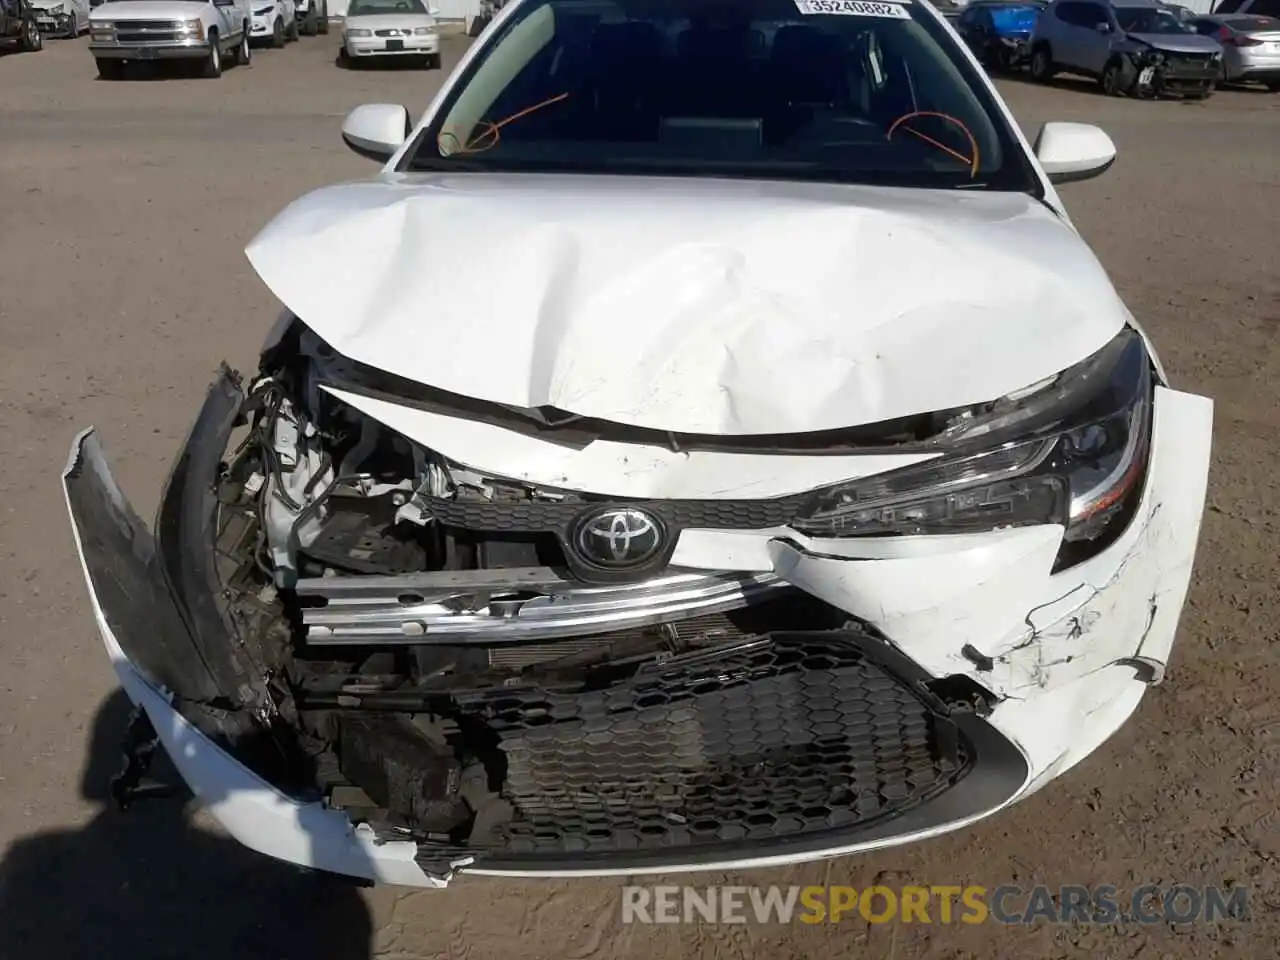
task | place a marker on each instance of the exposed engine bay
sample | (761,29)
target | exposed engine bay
(466,686)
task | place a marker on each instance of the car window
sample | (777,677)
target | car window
(1092,14)
(834,90)
(1149,20)
(364,8)
(1265,8)
(1228,6)
(1205,27)
(1015,17)
(1075,14)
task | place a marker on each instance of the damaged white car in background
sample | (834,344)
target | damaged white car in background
(641,481)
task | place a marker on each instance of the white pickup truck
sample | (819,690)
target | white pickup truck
(208,31)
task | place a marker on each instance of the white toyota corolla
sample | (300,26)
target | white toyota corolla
(706,442)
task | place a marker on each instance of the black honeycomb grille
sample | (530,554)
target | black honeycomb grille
(783,736)
(558,517)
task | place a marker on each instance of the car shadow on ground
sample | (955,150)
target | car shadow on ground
(1080,84)
(1060,81)
(146,884)
(386,64)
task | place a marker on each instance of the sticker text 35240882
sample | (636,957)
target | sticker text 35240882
(854,8)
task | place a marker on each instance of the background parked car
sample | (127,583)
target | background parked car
(375,29)
(197,31)
(1133,46)
(62,18)
(1250,46)
(274,20)
(999,31)
(1263,8)
(312,16)
(18,26)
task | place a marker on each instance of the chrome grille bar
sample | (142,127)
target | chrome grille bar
(512,605)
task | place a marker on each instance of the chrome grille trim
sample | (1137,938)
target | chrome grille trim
(512,605)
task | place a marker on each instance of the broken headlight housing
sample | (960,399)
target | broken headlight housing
(1070,450)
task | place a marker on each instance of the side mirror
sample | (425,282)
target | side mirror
(1073,151)
(1102,27)
(377,130)
(434,11)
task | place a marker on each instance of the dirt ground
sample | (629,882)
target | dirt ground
(124,210)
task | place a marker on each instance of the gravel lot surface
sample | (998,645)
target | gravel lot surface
(124,210)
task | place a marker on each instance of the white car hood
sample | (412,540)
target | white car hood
(385,21)
(147,10)
(695,306)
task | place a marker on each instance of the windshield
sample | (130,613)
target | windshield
(1147,20)
(365,8)
(850,91)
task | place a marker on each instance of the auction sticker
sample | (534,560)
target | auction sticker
(853,8)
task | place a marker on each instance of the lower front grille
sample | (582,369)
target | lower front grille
(784,736)
(1191,64)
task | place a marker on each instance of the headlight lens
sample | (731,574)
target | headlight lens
(102,31)
(1071,451)
(423,31)
(193,28)
(358,33)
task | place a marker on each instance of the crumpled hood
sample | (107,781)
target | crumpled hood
(692,305)
(1177,42)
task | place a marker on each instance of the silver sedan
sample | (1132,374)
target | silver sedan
(1250,46)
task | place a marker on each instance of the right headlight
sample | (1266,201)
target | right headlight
(358,32)
(1071,450)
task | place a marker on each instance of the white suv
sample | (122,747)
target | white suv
(63,18)
(274,20)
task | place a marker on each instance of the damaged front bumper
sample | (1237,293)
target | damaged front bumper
(1160,74)
(965,675)
(56,24)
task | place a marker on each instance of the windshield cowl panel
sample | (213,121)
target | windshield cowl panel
(845,91)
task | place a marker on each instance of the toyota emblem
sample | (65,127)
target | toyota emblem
(619,537)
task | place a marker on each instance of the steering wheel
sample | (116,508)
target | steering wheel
(972,161)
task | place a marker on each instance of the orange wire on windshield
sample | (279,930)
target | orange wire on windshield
(973,161)
(490,132)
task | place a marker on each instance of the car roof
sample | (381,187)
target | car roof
(1244,21)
